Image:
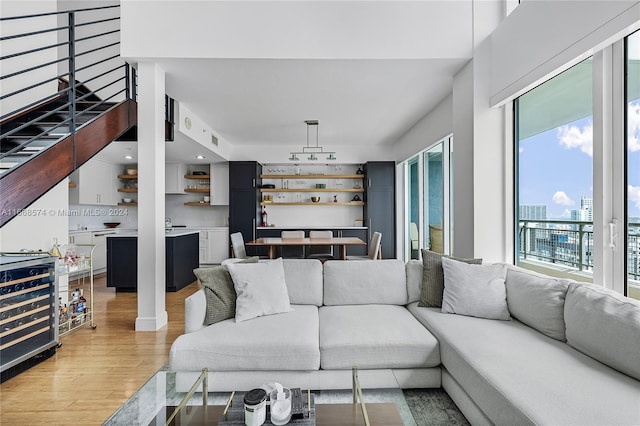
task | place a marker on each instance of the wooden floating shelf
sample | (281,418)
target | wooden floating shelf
(198,204)
(312,176)
(127,176)
(127,190)
(309,203)
(197,176)
(127,204)
(202,190)
(312,190)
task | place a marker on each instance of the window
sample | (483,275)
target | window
(633,164)
(428,183)
(554,175)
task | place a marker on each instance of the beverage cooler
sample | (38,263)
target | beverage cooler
(28,295)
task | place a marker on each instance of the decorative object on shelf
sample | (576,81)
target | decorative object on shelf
(312,150)
(321,185)
(132,172)
(356,198)
(264,218)
(315,199)
(359,171)
(199,173)
(127,200)
(335,198)
(111,224)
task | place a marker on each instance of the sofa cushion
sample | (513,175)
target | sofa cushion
(374,336)
(517,375)
(275,342)
(261,289)
(414,280)
(475,290)
(537,300)
(219,291)
(605,326)
(433,277)
(364,282)
(304,281)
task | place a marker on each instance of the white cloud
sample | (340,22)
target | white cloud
(574,137)
(566,213)
(633,135)
(633,192)
(560,197)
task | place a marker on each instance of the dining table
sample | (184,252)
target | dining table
(274,242)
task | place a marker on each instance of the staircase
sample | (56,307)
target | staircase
(47,137)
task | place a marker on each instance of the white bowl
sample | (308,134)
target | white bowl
(126,200)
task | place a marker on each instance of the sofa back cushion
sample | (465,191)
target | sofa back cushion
(537,300)
(365,282)
(414,279)
(605,326)
(304,281)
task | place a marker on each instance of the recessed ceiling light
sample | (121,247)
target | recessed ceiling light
(128,157)
(200,157)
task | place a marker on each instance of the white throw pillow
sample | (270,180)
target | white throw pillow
(261,289)
(475,290)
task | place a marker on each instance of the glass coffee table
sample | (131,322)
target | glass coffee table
(156,402)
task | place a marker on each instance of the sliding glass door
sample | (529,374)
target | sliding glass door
(633,164)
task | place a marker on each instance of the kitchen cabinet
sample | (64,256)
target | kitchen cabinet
(244,202)
(96,184)
(28,304)
(80,238)
(181,258)
(380,204)
(214,245)
(174,178)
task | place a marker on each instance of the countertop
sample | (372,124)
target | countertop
(311,227)
(168,233)
(121,230)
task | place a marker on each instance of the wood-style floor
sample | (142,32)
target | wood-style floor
(94,371)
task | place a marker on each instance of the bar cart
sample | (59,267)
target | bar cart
(75,311)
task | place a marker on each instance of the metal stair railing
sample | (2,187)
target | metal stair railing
(80,48)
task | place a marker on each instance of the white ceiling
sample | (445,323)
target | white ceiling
(391,64)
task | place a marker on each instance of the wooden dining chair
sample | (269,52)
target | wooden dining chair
(322,253)
(374,249)
(292,252)
(237,245)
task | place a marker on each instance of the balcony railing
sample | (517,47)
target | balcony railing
(570,243)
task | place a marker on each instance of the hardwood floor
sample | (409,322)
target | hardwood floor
(94,371)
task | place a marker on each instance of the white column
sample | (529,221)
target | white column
(152,314)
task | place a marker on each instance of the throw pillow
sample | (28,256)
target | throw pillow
(433,277)
(219,292)
(475,290)
(261,289)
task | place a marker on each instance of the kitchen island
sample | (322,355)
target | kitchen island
(182,249)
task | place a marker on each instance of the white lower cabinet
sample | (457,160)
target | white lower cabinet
(214,245)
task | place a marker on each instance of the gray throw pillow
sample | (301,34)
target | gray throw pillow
(219,292)
(433,277)
(475,290)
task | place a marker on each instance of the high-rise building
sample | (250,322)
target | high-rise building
(533,212)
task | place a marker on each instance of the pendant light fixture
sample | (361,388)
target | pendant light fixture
(312,151)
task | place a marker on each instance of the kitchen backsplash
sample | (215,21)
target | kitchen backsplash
(93,217)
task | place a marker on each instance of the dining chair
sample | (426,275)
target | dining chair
(322,253)
(292,252)
(237,245)
(374,249)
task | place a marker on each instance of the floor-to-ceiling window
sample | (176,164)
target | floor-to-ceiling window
(554,174)
(633,164)
(413,210)
(428,188)
(434,197)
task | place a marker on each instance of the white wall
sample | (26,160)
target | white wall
(39,223)
(541,38)
(257,29)
(433,127)
(17,8)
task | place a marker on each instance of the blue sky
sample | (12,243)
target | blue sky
(556,167)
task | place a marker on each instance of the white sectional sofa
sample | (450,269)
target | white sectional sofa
(570,354)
